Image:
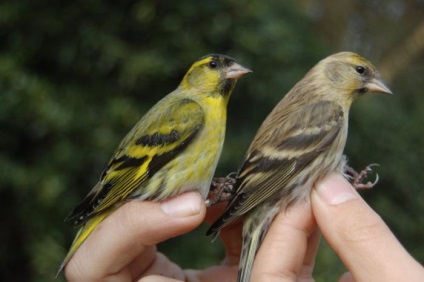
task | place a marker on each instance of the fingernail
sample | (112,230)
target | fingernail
(187,204)
(334,189)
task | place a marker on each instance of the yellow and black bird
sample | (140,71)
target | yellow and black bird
(173,149)
(301,140)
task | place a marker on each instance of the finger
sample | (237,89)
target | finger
(130,231)
(230,235)
(306,271)
(346,277)
(158,278)
(232,240)
(166,268)
(358,235)
(214,212)
(212,274)
(282,253)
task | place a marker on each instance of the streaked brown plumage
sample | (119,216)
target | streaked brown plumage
(301,140)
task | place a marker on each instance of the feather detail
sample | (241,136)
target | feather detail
(301,140)
(173,149)
(165,137)
(276,164)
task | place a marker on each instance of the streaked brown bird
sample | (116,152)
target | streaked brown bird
(300,141)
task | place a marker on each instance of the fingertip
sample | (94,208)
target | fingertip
(187,204)
(159,221)
(334,189)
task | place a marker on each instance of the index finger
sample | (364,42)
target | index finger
(359,236)
(230,235)
(289,248)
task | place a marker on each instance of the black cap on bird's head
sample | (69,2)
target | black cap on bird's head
(232,70)
(215,71)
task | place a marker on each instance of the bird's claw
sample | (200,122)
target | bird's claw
(358,178)
(221,189)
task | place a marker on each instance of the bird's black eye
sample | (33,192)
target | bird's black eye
(213,64)
(360,69)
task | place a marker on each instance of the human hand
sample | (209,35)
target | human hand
(357,234)
(123,246)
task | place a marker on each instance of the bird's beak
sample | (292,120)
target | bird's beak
(377,85)
(236,71)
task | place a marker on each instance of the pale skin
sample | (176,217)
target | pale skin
(123,246)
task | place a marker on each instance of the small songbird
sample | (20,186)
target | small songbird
(300,141)
(173,149)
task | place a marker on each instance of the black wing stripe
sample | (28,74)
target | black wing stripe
(158,161)
(125,174)
(128,162)
(261,176)
(303,141)
(79,212)
(158,139)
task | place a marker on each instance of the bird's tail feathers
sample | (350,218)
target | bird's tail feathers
(81,236)
(251,243)
(255,227)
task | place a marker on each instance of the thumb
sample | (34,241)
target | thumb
(130,232)
(358,235)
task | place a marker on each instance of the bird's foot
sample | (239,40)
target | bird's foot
(358,178)
(221,189)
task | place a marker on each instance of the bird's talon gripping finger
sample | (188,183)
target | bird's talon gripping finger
(357,183)
(221,190)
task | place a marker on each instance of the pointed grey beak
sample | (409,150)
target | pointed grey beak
(377,85)
(236,71)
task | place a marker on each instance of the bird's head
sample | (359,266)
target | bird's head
(353,75)
(214,74)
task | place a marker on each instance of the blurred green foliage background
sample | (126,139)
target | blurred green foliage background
(75,76)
